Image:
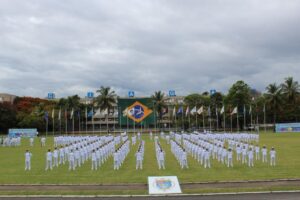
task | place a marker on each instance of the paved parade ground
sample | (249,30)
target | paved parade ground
(135,181)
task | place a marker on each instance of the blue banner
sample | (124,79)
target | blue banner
(32,132)
(287,127)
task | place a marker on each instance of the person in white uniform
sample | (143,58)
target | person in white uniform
(28,156)
(49,160)
(272,157)
(264,154)
(55,157)
(94,160)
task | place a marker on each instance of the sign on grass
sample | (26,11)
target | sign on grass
(163,185)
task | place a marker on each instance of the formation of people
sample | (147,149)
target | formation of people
(228,149)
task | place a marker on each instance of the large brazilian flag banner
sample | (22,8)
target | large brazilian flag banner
(136,110)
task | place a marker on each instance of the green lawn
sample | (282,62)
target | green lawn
(12,166)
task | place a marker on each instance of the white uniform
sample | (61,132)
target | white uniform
(264,154)
(229,159)
(94,161)
(139,160)
(28,161)
(71,161)
(250,158)
(31,140)
(49,160)
(55,156)
(272,157)
(161,160)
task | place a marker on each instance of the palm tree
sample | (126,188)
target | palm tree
(291,91)
(105,100)
(274,98)
(159,103)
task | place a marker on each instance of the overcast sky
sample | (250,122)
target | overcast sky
(74,46)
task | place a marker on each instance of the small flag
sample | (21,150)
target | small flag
(52,113)
(125,112)
(244,109)
(264,109)
(72,113)
(187,111)
(217,114)
(208,111)
(234,111)
(222,110)
(91,113)
(194,110)
(180,110)
(46,116)
(200,110)
(105,112)
(66,113)
(78,113)
(174,111)
(86,114)
(250,110)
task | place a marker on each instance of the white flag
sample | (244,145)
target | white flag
(250,110)
(174,111)
(234,111)
(222,110)
(72,113)
(59,114)
(52,114)
(200,110)
(187,111)
(194,110)
(125,112)
(105,112)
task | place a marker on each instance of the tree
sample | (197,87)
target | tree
(159,103)
(7,117)
(106,100)
(274,99)
(291,90)
(239,95)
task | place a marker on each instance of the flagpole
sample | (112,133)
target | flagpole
(73,124)
(189,120)
(224,120)
(196,120)
(176,121)
(231,121)
(86,121)
(47,127)
(79,123)
(53,122)
(265,118)
(60,120)
(203,120)
(244,117)
(66,121)
(93,125)
(251,121)
(217,120)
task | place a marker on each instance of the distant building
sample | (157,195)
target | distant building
(9,98)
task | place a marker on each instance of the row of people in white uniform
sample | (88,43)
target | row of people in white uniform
(140,155)
(160,154)
(179,153)
(10,141)
(120,154)
(79,152)
(245,154)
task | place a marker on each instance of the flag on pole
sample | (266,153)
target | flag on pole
(250,110)
(187,111)
(59,114)
(105,112)
(208,111)
(264,109)
(217,113)
(46,116)
(66,114)
(200,110)
(244,109)
(180,110)
(194,110)
(91,113)
(234,111)
(86,114)
(72,113)
(125,112)
(174,111)
(222,110)
(52,113)
(78,113)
